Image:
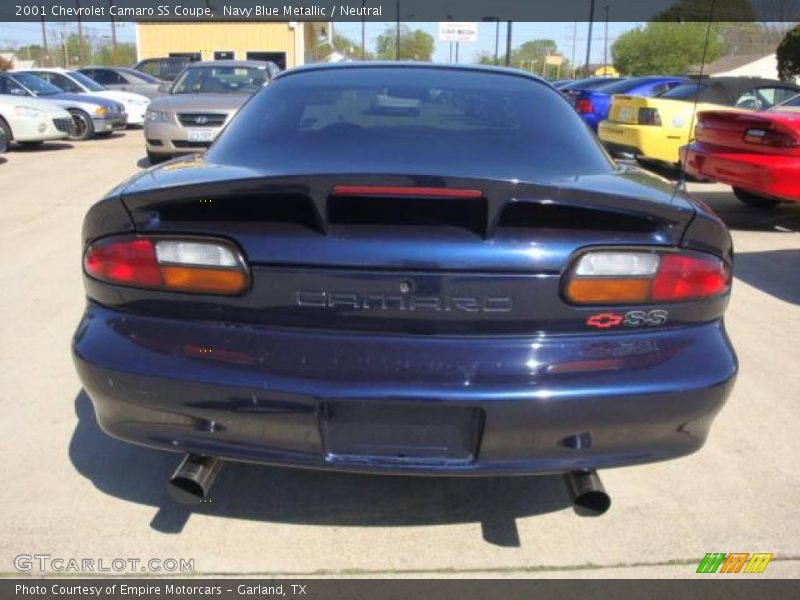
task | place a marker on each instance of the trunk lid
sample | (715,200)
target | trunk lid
(424,265)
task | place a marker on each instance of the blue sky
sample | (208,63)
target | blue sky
(562,33)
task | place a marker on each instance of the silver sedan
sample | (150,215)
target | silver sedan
(200,103)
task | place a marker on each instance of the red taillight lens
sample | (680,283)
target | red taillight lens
(768,137)
(649,116)
(689,278)
(183,265)
(641,277)
(130,262)
(584,105)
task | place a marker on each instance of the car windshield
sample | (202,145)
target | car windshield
(89,84)
(686,91)
(37,85)
(623,85)
(587,84)
(791,103)
(418,120)
(139,76)
(221,80)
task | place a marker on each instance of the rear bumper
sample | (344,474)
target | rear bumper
(763,174)
(646,141)
(547,404)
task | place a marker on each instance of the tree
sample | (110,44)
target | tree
(530,56)
(789,55)
(414,45)
(5,64)
(350,48)
(665,48)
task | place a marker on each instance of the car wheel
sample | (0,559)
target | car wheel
(156,158)
(7,135)
(84,128)
(754,200)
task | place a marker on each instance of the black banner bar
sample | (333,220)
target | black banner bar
(738,588)
(392,10)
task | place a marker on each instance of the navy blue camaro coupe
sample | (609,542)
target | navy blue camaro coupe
(398,268)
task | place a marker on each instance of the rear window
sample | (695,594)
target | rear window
(687,91)
(623,86)
(410,120)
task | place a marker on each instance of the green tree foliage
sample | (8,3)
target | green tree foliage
(664,48)
(530,56)
(414,44)
(350,48)
(789,55)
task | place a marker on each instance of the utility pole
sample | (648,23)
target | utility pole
(508,44)
(456,52)
(589,41)
(605,47)
(497,40)
(80,34)
(46,59)
(113,36)
(363,30)
(574,46)
(397,50)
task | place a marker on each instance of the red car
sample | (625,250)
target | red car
(758,153)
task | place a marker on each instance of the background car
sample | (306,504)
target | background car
(655,128)
(74,82)
(126,80)
(201,101)
(757,153)
(92,116)
(28,121)
(572,89)
(165,68)
(593,105)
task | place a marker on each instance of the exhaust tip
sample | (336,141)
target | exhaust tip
(186,491)
(192,480)
(589,497)
(592,503)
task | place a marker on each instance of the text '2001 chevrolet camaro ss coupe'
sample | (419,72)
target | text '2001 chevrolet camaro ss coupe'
(396,268)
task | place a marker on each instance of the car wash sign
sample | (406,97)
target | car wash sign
(458,32)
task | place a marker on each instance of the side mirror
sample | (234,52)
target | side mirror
(18,92)
(163,88)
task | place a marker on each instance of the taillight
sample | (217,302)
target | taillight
(649,116)
(181,265)
(768,137)
(584,105)
(639,277)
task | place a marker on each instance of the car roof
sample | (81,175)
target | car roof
(406,65)
(228,63)
(717,89)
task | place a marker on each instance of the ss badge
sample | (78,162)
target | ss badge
(637,318)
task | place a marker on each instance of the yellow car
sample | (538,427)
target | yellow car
(655,128)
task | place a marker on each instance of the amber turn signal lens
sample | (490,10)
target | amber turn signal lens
(211,281)
(611,291)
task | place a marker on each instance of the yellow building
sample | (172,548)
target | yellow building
(284,43)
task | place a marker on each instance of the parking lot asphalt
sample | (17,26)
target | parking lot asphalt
(72,492)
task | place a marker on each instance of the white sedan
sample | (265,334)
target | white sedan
(30,121)
(75,82)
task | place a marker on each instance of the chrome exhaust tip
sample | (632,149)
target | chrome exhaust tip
(589,497)
(192,480)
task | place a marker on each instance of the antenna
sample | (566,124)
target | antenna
(682,180)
